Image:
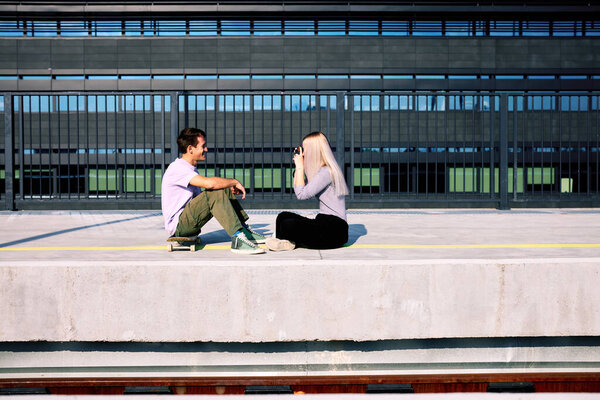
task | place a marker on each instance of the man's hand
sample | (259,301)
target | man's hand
(239,188)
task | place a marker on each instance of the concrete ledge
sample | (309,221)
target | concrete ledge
(291,300)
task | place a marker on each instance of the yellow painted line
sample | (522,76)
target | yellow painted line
(472,246)
(94,248)
(353,246)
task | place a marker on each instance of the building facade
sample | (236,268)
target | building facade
(425,103)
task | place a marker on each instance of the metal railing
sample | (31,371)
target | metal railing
(110,149)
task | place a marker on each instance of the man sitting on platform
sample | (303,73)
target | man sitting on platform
(187,208)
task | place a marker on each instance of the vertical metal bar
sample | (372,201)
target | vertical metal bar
(21,150)
(588,111)
(389,146)
(351,172)
(504,152)
(153,169)
(118,180)
(340,128)
(31,151)
(78,149)
(597,144)
(40,145)
(133,114)
(473,124)
(409,107)
(125,157)
(418,140)
(515,148)
(174,124)
(427,114)
(560,148)
(68,146)
(492,147)
(163,135)
(9,153)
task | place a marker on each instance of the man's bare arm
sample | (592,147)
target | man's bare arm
(216,182)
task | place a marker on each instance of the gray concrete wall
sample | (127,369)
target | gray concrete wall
(265,301)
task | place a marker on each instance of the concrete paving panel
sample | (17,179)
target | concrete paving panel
(443,273)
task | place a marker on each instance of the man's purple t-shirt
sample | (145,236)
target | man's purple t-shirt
(177,191)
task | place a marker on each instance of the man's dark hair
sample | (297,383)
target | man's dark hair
(189,137)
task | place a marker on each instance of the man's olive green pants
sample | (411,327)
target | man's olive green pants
(220,204)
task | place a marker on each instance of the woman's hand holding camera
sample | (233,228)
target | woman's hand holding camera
(299,157)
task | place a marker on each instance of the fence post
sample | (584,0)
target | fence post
(9,153)
(504,152)
(174,125)
(340,130)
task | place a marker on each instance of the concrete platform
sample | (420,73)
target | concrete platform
(418,274)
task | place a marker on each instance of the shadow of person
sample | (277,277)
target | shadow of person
(355,231)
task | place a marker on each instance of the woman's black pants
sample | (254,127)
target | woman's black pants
(323,232)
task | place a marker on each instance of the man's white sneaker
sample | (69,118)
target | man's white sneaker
(242,245)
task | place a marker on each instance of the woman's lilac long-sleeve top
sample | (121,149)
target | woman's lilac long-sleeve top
(321,186)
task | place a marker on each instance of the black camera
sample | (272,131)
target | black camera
(297,150)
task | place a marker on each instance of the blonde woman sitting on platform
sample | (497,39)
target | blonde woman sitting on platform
(326,182)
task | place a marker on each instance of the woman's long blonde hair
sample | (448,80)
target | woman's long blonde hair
(317,154)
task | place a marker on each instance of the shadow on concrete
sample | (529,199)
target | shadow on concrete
(221,236)
(79,228)
(354,232)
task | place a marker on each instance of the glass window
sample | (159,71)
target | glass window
(200,77)
(234,76)
(36,77)
(234,103)
(567,28)
(366,103)
(331,28)
(504,28)
(267,28)
(106,28)
(365,76)
(11,28)
(299,28)
(459,28)
(332,76)
(427,28)
(73,28)
(509,77)
(592,28)
(267,76)
(135,76)
(536,28)
(68,77)
(133,28)
(203,28)
(300,76)
(395,28)
(99,77)
(267,102)
(70,103)
(8,77)
(170,28)
(363,28)
(167,76)
(235,28)
(42,28)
